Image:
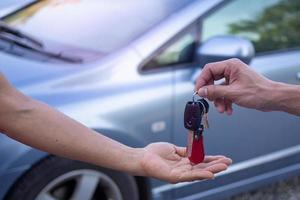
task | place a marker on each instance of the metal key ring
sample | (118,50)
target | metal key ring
(195,93)
(204,108)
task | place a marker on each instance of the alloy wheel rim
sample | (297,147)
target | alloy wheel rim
(80,184)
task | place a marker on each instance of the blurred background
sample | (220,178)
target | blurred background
(127,68)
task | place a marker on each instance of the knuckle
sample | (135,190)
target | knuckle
(235,60)
(208,65)
(211,92)
(175,179)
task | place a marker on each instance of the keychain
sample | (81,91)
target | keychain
(196,120)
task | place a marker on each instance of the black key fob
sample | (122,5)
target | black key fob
(193,115)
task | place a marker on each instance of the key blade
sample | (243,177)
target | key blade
(205,121)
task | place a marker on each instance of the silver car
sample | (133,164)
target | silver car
(126,69)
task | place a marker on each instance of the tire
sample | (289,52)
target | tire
(56,178)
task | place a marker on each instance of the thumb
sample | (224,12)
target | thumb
(181,151)
(213,92)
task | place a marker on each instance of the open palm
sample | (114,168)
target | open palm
(168,162)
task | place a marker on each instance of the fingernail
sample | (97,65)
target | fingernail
(229,112)
(202,92)
(220,109)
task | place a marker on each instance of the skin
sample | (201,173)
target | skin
(244,87)
(40,126)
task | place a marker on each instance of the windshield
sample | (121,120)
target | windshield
(99,25)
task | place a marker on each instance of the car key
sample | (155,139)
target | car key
(205,115)
(193,115)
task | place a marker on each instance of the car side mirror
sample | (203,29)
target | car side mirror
(224,47)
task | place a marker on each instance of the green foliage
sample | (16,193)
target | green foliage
(276,28)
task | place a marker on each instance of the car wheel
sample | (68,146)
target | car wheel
(56,178)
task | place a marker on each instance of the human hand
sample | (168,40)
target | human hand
(242,86)
(168,162)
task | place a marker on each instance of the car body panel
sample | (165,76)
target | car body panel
(16,158)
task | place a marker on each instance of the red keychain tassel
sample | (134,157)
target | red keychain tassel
(195,147)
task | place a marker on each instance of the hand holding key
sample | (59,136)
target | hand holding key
(168,162)
(242,86)
(177,164)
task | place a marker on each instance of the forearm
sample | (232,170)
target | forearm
(36,124)
(285,97)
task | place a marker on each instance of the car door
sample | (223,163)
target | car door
(251,138)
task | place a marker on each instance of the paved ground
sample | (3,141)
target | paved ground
(284,190)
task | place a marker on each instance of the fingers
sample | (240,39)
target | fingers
(196,174)
(216,71)
(208,159)
(212,72)
(181,151)
(221,95)
(214,164)
(224,161)
(205,170)
(211,160)
(216,168)
(201,174)
(223,105)
(228,105)
(220,105)
(213,92)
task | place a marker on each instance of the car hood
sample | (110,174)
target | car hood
(20,71)
(41,78)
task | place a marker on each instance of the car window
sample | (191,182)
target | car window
(270,24)
(99,25)
(179,52)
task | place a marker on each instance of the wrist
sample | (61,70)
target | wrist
(286,98)
(273,96)
(264,96)
(136,161)
(278,96)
